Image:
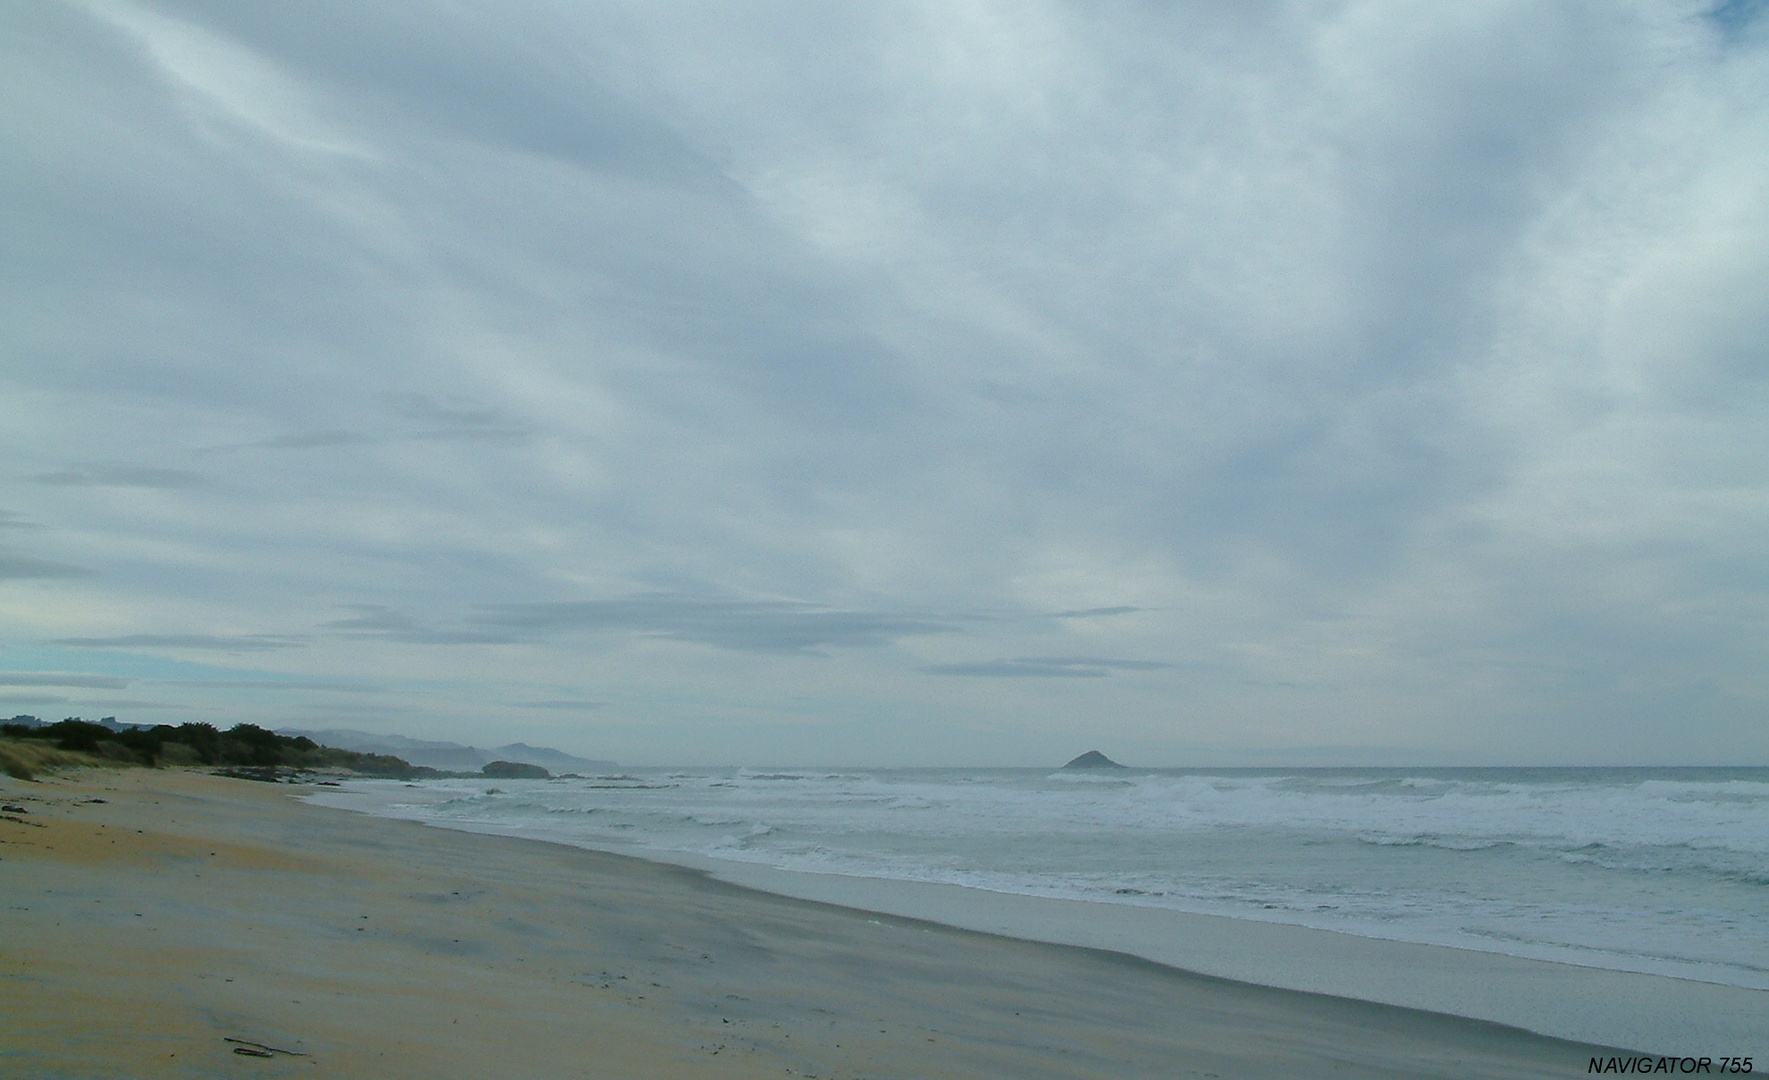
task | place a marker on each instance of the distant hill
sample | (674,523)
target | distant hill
(1093,759)
(546,757)
(453,756)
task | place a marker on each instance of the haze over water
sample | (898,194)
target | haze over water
(1662,871)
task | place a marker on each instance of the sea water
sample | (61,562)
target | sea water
(1660,871)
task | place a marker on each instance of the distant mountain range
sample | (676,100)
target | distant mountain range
(452,756)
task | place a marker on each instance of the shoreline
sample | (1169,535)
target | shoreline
(1662,1013)
(151,915)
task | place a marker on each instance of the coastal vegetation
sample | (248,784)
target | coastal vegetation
(23,760)
(28,747)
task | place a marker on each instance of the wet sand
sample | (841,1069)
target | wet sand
(140,933)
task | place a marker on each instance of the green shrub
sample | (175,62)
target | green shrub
(241,746)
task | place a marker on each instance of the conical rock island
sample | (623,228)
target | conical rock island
(1093,759)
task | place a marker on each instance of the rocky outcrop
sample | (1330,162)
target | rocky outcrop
(514,770)
(1093,759)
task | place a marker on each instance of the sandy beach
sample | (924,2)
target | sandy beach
(150,916)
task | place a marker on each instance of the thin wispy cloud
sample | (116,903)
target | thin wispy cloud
(16,700)
(13,565)
(373,621)
(120,476)
(312,440)
(1096,613)
(276,684)
(742,625)
(216,642)
(436,420)
(102,682)
(562,705)
(1046,667)
(93,706)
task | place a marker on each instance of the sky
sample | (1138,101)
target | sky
(1267,382)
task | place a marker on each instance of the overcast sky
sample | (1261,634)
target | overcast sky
(1265,381)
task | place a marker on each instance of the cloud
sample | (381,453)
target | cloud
(741,625)
(10,520)
(1736,17)
(129,703)
(457,422)
(375,621)
(218,642)
(1046,667)
(276,684)
(26,566)
(1094,613)
(227,81)
(125,476)
(103,682)
(312,440)
(738,625)
(563,705)
(31,699)
(1408,380)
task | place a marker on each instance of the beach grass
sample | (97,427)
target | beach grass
(23,759)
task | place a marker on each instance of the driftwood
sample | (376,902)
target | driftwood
(248,1048)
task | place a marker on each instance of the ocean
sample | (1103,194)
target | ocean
(1659,871)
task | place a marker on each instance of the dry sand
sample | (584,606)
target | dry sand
(140,932)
